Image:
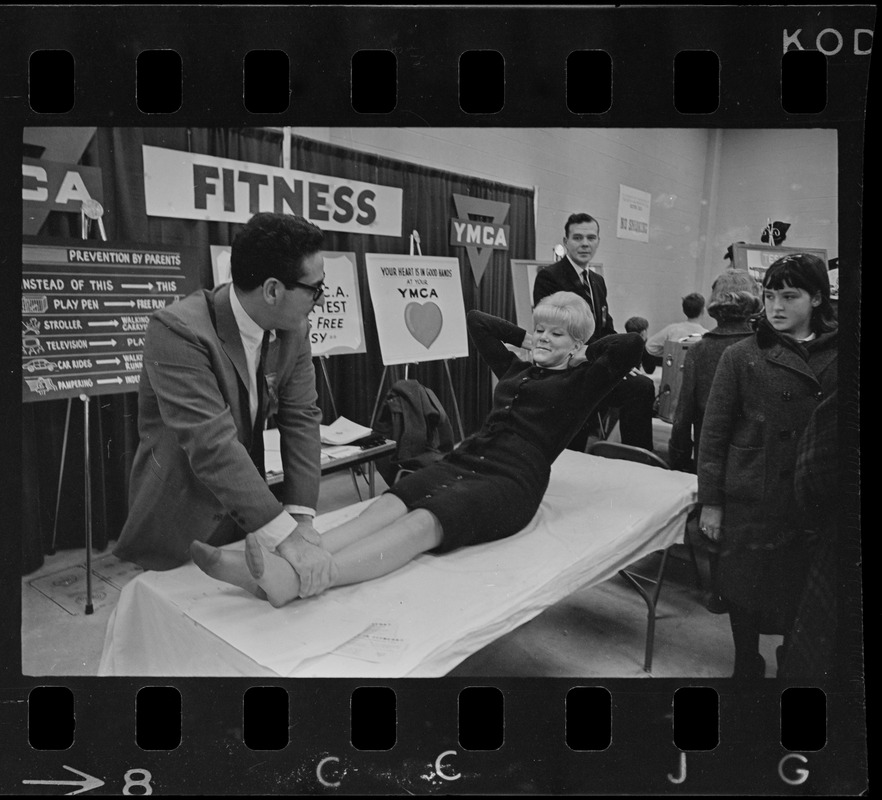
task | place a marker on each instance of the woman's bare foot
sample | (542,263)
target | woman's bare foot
(223,565)
(275,576)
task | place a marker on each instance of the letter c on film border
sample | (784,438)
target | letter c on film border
(440,772)
(321,778)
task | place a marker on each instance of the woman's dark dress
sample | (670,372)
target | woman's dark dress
(491,485)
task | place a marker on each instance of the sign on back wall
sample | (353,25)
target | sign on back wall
(195,186)
(418,307)
(84,311)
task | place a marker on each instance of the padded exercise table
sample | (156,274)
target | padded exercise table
(598,517)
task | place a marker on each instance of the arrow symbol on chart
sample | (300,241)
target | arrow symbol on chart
(109,380)
(85,785)
(137,286)
(110,342)
(113,322)
(107,361)
(129,303)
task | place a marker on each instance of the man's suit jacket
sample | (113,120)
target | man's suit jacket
(193,472)
(561,277)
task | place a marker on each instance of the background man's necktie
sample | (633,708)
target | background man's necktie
(587,284)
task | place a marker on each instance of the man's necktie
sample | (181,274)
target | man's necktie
(587,284)
(260,416)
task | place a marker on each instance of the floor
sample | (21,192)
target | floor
(597,632)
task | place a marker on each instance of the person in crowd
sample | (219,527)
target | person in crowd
(490,486)
(640,326)
(764,392)
(637,325)
(693,307)
(734,300)
(812,647)
(635,395)
(214,362)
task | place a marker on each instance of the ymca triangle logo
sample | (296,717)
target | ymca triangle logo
(470,229)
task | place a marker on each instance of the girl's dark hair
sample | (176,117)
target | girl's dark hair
(808,272)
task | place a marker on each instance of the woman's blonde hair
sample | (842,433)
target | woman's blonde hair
(735,295)
(569,311)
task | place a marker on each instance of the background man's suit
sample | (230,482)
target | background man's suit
(561,277)
(193,475)
(635,395)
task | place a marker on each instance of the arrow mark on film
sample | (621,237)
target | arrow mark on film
(86,785)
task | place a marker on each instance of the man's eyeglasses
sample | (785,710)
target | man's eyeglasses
(317,291)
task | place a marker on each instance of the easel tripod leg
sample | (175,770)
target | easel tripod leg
(88,504)
(60,476)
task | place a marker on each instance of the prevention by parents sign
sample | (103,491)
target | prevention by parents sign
(84,311)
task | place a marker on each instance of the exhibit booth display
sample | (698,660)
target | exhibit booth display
(181,194)
(757,258)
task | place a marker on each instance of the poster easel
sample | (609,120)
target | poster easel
(419,312)
(456,414)
(83,332)
(90,210)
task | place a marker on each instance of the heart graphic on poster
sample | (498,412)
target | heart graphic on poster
(424,321)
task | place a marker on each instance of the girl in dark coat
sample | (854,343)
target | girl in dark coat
(763,395)
(490,486)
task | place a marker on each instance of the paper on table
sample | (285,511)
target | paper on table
(254,627)
(272,455)
(343,431)
(342,451)
(375,643)
(272,451)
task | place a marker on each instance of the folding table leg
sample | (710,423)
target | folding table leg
(651,601)
(355,482)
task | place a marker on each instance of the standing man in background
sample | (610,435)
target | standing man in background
(635,394)
(214,364)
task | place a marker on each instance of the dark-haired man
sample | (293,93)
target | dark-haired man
(214,362)
(635,395)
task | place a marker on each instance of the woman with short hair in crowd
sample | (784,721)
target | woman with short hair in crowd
(734,300)
(764,392)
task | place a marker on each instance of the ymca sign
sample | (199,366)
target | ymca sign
(195,186)
(52,186)
(478,236)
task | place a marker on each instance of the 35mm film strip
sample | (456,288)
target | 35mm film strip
(486,68)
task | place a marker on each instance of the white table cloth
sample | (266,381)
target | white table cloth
(597,517)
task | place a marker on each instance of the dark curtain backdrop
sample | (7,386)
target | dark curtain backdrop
(355,379)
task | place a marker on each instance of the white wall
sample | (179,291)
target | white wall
(783,175)
(706,187)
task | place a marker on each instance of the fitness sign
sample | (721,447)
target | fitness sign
(84,311)
(195,186)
